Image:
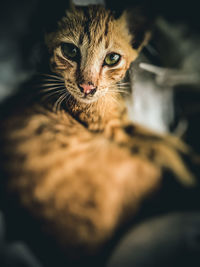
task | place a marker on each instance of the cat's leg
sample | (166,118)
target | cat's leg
(166,151)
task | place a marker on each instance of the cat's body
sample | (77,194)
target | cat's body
(74,161)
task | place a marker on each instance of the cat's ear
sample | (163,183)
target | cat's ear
(139,20)
(139,24)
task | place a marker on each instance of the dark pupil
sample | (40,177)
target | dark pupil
(69,50)
(73,52)
(113,57)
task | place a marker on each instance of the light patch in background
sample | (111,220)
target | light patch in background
(88,2)
(150,105)
(11,75)
(153,87)
(13,28)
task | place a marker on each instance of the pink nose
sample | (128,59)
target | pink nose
(87,88)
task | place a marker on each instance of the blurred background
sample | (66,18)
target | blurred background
(166,97)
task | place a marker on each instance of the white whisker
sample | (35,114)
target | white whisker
(52,89)
(127,83)
(61,101)
(51,84)
(68,99)
(53,80)
(57,104)
(52,76)
(123,86)
(49,95)
(119,91)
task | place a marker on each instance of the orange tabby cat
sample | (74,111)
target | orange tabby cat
(69,156)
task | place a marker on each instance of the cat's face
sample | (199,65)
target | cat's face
(91,51)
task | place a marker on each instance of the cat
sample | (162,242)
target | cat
(70,157)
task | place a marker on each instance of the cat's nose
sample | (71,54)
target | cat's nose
(87,88)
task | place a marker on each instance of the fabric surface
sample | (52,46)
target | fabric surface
(171,240)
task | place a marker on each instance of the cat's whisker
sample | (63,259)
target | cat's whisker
(53,89)
(119,88)
(69,98)
(51,94)
(61,101)
(53,80)
(52,84)
(57,93)
(58,102)
(52,76)
(123,89)
(123,86)
(126,83)
(42,84)
(119,92)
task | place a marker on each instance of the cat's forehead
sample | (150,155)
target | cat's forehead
(85,22)
(90,25)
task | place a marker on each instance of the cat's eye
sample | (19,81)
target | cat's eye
(70,51)
(112,59)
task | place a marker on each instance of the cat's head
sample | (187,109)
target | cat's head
(91,50)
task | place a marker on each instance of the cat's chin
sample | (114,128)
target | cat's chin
(88,101)
(85,100)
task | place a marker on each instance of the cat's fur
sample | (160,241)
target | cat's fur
(81,168)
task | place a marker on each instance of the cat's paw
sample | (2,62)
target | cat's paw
(114,131)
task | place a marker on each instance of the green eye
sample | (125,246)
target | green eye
(112,59)
(70,51)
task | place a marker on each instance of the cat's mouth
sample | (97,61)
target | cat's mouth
(87,98)
(82,97)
